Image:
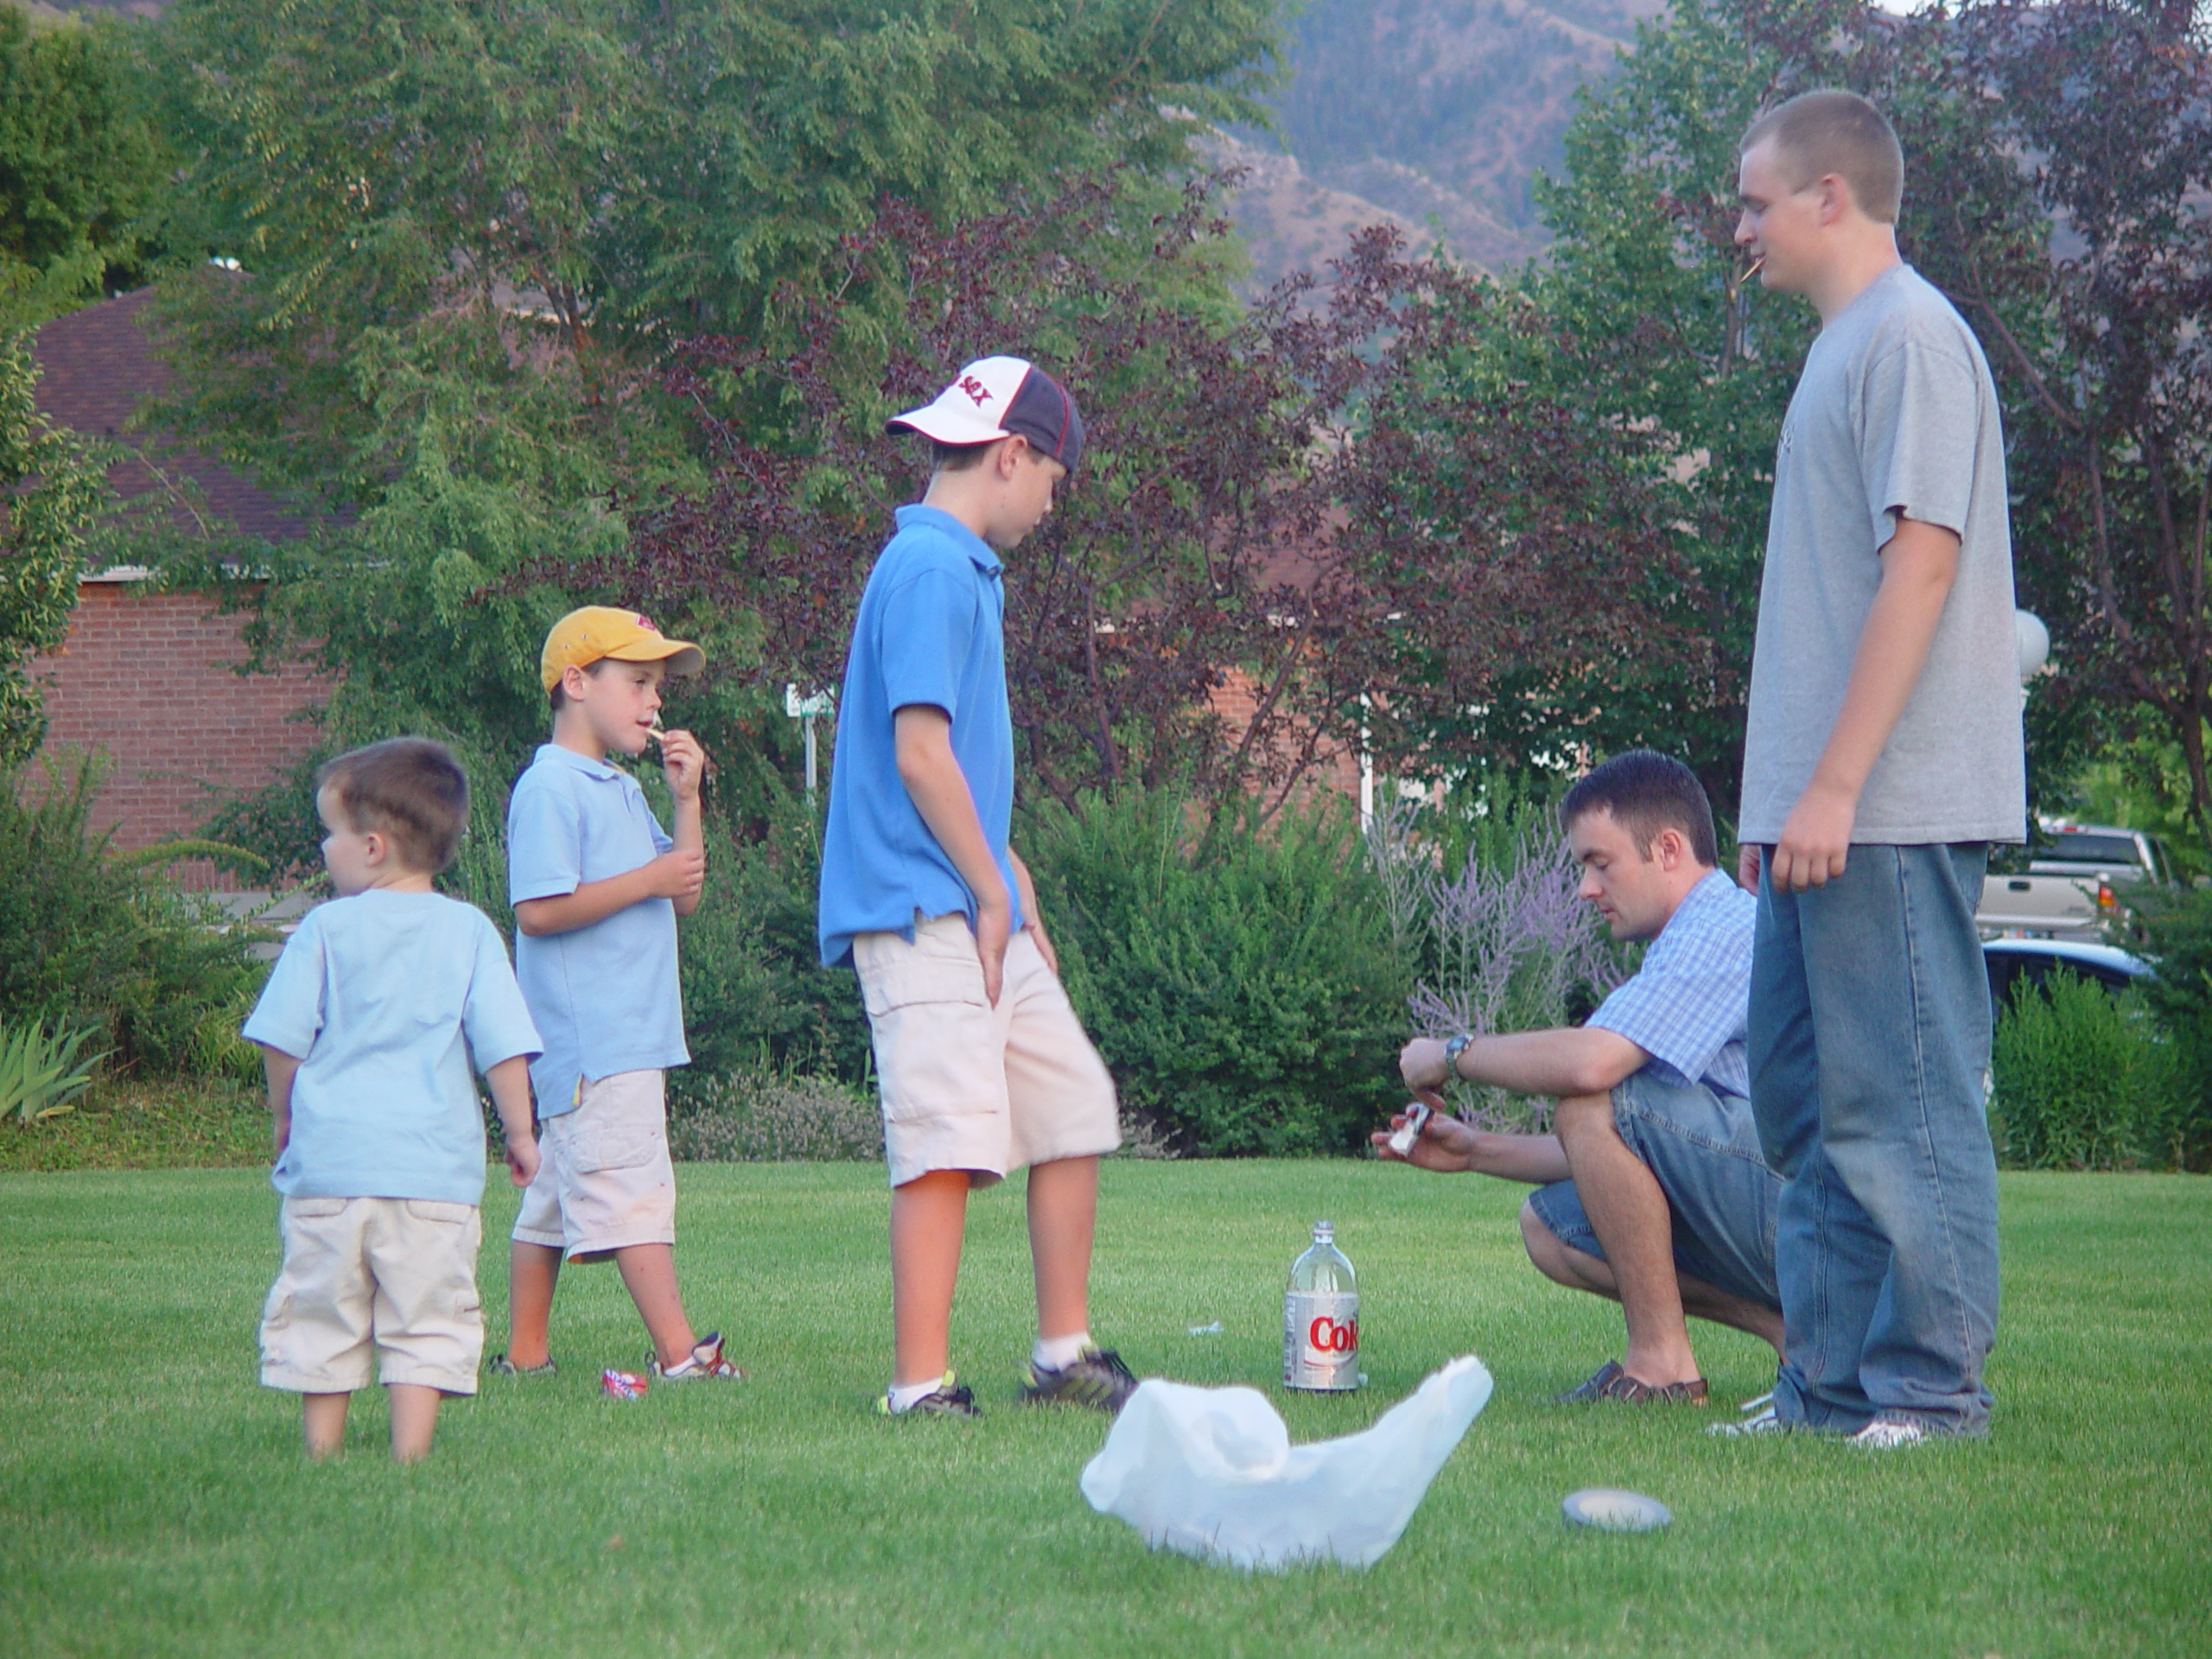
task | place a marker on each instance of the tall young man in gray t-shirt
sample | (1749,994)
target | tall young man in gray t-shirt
(1883,754)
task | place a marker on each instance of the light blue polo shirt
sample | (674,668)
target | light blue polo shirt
(931,630)
(605,996)
(385,999)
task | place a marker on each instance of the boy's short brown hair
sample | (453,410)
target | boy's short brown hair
(409,789)
(1816,134)
(959,457)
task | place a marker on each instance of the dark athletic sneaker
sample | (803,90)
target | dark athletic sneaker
(948,1398)
(500,1366)
(1095,1377)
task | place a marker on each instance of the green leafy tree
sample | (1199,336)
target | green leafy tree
(82,167)
(2056,160)
(52,489)
(1641,329)
(473,233)
(2103,110)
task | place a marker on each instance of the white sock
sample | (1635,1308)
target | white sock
(1057,1353)
(905,1395)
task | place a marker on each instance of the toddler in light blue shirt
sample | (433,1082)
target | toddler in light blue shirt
(368,1027)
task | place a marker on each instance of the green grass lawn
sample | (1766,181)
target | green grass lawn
(153,1500)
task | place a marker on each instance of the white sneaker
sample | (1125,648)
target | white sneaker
(1764,1423)
(1888,1433)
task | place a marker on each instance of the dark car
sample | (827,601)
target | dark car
(2010,961)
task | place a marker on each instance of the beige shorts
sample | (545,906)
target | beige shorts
(969,1086)
(397,1275)
(604,1178)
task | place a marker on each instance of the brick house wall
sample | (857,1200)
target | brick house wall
(147,678)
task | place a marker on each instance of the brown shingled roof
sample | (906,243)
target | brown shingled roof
(97,366)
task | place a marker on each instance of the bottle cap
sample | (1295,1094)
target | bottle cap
(1325,1232)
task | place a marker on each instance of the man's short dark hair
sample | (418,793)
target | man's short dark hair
(1646,792)
(1819,133)
(409,790)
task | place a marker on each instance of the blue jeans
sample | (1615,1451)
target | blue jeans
(1703,1149)
(1868,1039)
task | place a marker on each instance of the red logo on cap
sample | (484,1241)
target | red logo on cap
(978,393)
(644,622)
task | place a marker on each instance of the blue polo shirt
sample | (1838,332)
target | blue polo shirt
(385,998)
(930,631)
(605,996)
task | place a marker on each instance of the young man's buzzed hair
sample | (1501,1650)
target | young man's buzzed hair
(1646,792)
(409,789)
(1816,134)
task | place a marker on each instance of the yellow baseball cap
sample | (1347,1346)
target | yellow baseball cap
(598,631)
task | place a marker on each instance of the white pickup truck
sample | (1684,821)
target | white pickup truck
(2072,884)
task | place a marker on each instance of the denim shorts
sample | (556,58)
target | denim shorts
(1703,1148)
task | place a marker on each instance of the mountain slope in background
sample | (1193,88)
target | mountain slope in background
(1432,114)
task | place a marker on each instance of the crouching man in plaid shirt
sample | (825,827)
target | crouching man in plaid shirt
(1653,1191)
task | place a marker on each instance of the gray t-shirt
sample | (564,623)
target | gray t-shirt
(1894,415)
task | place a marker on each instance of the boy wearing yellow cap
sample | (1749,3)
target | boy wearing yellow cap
(597,885)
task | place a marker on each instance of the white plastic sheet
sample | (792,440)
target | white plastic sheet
(1211,1472)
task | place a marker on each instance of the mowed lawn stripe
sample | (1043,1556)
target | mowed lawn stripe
(154,1500)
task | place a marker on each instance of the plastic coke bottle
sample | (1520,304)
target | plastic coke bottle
(1320,1319)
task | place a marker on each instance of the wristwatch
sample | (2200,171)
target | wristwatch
(1453,1047)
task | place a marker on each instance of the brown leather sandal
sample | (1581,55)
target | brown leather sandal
(1610,1382)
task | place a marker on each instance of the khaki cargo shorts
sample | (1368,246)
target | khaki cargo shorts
(394,1276)
(969,1086)
(604,1178)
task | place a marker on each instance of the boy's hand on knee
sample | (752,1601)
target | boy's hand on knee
(1044,945)
(994,928)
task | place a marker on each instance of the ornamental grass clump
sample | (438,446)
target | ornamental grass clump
(1502,941)
(2080,1077)
(41,1074)
(760,1117)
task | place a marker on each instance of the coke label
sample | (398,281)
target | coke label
(1320,1340)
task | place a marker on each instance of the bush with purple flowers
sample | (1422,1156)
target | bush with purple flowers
(1487,907)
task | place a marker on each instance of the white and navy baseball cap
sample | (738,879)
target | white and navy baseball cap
(996,398)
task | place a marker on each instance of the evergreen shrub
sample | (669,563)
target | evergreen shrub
(1239,976)
(2081,1077)
(88,937)
(2176,938)
(756,997)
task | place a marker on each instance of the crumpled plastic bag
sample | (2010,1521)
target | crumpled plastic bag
(1211,1472)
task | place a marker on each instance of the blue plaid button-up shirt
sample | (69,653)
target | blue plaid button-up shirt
(1687,1004)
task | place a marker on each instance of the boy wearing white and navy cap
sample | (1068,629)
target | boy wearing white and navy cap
(984,1066)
